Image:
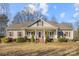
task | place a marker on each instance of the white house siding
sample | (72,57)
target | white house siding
(15,35)
(71,33)
(55,35)
(43,27)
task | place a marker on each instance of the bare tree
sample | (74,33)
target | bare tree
(26,15)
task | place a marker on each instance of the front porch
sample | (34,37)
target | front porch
(40,35)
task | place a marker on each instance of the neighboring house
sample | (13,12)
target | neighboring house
(39,28)
(3,24)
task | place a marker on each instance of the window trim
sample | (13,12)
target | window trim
(19,35)
(66,34)
(51,33)
(11,33)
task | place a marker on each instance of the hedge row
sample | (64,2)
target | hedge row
(6,40)
(18,40)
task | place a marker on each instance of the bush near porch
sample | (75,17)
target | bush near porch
(25,39)
(62,39)
(32,39)
(1,37)
(5,40)
(18,40)
(47,37)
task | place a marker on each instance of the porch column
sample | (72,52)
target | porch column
(35,35)
(56,33)
(44,36)
(24,33)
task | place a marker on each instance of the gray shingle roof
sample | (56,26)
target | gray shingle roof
(25,24)
(65,26)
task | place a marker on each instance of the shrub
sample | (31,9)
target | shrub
(10,39)
(2,36)
(47,37)
(50,39)
(25,37)
(28,40)
(32,40)
(14,39)
(62,39)
(75,40)
(5,40)
(18,40)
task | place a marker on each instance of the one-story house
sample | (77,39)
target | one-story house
(39,28)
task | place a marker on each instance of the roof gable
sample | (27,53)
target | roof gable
(40,23)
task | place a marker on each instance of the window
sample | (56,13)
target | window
(28,33)
(19,34)
(66,33)
(10,33)
(51,33)
(40,23)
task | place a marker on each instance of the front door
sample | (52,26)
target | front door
(40,34)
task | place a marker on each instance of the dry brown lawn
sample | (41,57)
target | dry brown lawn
(39,49)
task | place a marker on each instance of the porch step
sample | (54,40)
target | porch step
(40,41)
